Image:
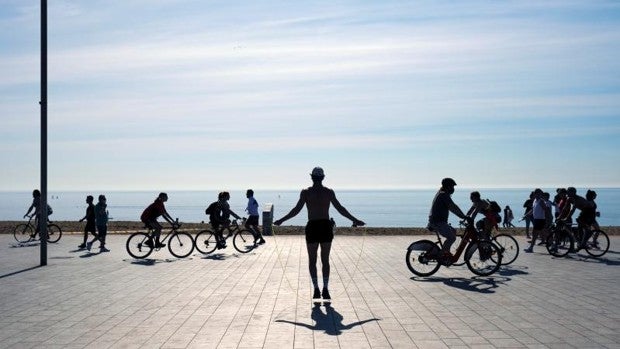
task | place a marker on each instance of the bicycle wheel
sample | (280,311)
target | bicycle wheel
(508,246)
(244,241)
(53,233)
(422,258)
(483,257)
(205,242)
(453,249)
(181,244)
(136,245)
(559,243)
(598,244)
(23,233)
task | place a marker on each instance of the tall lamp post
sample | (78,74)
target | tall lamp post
(43,102)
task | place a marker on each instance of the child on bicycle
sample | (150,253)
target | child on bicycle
(489,222)
(150,215)
(219,217)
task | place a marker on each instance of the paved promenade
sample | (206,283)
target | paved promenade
(262,299)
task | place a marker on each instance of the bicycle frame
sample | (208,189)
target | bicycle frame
(469,235)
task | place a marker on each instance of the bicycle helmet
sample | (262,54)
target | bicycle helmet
(448,182)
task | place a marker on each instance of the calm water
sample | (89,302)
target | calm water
(378,208)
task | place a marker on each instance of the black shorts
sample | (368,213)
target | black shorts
(252,220)
(90,228)
(540,224)
(319,231)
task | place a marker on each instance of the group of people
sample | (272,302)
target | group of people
(319,231)
(96,219)
(541,212)
(442,205)
(219,213)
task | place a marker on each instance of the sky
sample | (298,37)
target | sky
(197,95)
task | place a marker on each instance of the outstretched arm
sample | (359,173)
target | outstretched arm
(295,210)
(343,211)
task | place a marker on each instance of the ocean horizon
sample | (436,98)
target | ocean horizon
(376,207)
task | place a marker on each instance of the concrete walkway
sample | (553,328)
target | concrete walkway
(262,299)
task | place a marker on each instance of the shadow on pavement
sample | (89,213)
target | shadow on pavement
(151,261)
(512,270)
(480,284)
(19,272)
(329,322)
(25,244)
(215,256)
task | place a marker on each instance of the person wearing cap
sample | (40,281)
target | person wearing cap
(539,212)
(440,210)
(319,229)
(101,218)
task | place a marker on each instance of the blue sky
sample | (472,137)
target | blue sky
(162,94)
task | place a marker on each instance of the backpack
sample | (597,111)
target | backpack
(49,210)
(494,206)
(495,209)
(213,211)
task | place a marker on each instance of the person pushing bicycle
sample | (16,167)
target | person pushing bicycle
(36,202)
(149,218)
(219,217)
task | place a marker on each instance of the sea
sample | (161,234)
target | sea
(377,208)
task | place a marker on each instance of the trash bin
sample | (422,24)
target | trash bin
(268,219)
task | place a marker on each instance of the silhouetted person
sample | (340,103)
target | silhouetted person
(320,228)
(508,217)
(440,210)
(219,217)
(90,222)
(150,215)
(101,217)
(252,221)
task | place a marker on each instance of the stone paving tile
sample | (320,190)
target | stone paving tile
(262,299)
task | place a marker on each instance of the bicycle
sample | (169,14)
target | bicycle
(509,247)
(180,244)
(243,239)
(561,240)
(593,246)
(564,237)
(26,232)
(482,257)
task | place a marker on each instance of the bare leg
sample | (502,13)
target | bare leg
(313,248)
(326,248)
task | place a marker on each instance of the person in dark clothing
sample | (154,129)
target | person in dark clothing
(90,222)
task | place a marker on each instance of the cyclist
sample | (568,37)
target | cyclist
(252,222)
(438,216)
(36,202)
(587,216)
(219,217)
(486,224)
(320,228)
(149,218)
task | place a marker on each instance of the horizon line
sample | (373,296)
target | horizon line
(342,189)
